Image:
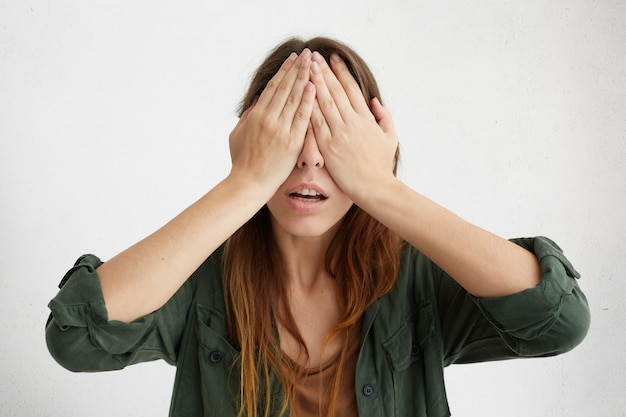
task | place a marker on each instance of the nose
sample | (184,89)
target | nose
(310,155)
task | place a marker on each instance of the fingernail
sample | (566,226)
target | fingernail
(317,57)
(315,67)
(305,53)
(335,58)
(292,57)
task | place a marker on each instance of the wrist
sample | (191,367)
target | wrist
(252,186)
(374,194)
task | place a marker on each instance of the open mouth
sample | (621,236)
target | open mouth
(307,195)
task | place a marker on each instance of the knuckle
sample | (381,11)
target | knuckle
(318,122)
(327,103)
(271,84)
(265,124)
(293,99)
(283,85)
(301,115)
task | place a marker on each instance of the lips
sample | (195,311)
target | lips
(305,198)
(307,194)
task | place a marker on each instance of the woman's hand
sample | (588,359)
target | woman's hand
(269,136)
(358,147)
(358,144)
(264,146)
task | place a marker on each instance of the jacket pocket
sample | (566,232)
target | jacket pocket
(405,347)
(212,331)
(219,374)
(416,373)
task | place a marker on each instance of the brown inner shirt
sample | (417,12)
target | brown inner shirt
(310,401)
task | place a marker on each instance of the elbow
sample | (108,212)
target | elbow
(575,320)
(70,347)
(570,328)
(60,346)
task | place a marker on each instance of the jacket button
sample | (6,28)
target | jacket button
(216,356)
(368,390)
(415,350)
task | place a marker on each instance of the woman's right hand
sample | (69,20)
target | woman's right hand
(265,146)
(267,140)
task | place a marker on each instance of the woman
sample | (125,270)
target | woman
(339,291)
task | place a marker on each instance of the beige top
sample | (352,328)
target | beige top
(314,379)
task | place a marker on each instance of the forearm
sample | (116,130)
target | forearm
(483,263)
(142,278)
(358,143)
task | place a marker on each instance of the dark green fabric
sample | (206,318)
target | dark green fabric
(426,322)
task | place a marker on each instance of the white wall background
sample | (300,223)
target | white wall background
(114,116)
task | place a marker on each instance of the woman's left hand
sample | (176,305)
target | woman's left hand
(358,144)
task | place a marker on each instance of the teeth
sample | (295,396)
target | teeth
(307,191)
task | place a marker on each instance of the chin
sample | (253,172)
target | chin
(305,228)
(302,230)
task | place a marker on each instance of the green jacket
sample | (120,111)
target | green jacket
(426,322)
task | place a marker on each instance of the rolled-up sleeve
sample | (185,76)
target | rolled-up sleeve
(549,319)
(80,337)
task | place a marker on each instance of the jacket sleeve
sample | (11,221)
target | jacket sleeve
(81,339)
(547,320)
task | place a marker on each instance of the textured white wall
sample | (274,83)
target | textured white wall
(114,116)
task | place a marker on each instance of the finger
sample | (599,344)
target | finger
(334,86)
(302,116)
(320,127)
(247,111)
(349,84)
(268,92)
(288,91)
(291,101)
(383,117)
(325,100)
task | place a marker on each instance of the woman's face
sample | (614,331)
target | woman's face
(308,203)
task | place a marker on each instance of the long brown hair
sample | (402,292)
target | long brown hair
(363,258)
